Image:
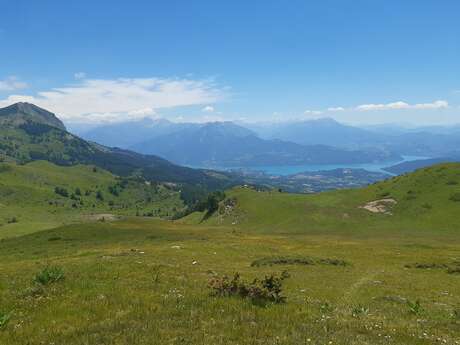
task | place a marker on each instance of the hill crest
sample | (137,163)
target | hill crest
(22,112)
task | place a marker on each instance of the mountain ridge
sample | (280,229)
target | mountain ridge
(28,137)
(22,112)
(226,144)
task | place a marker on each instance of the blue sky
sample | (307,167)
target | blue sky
(357,61)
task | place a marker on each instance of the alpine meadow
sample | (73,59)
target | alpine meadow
(230,173)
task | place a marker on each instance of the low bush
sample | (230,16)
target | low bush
(99,196)
(301,260)
(383,194)
(4,319)
(49,275)
(358,311)
(455,197)
(414,307)
(427,265)
(12,220)
(427,206)
(259,291)
(456,314)
(61,191)
(54,238)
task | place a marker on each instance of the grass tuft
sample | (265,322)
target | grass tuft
(49,275)
(4,319)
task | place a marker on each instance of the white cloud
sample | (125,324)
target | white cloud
(12,83)
(333,109)
(208,109)
(142,112)
(403,105)
(312,112)
(101,100)
(80,75)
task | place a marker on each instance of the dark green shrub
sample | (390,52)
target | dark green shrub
(211,203)
(49,275)
(383,194)
(99,195)
(259,291)
(414,307)
(54,238)
(113,190)
(326,307)
(61,191)
(358,311)
(427,206)
(297,260)
(12,220)
(455,197)
(4,319)
(456,314)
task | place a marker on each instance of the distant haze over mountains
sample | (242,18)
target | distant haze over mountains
(322,141)
(227,144)
(29,133)
(220,144)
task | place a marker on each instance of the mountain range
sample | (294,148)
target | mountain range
(226,144)
(433,141)
(29,133)
(322,141)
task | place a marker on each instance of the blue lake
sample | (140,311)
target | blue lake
(293,169)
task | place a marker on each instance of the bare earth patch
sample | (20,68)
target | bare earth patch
(380,206)
(108,217)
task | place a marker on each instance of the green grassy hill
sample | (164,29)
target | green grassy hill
(426,200)
(29,133)
(41,195)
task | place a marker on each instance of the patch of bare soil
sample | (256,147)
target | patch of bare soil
(380,206)
(102,217)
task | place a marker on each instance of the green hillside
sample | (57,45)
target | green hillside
(41,195)
(355,277)
(426,200)
(29,133)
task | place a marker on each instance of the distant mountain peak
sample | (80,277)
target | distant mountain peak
(227,128)
(324,121)
(21,112)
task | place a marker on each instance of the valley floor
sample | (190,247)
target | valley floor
(140,281)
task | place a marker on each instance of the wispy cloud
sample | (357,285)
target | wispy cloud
(313,112)
(334,109)
(102,100)
(12,83)
(399,105)
(208,109)
(403,105)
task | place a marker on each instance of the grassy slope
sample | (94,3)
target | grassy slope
(423,205)
(27,193)
(141,281)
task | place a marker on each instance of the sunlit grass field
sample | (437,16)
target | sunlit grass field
(145,281)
